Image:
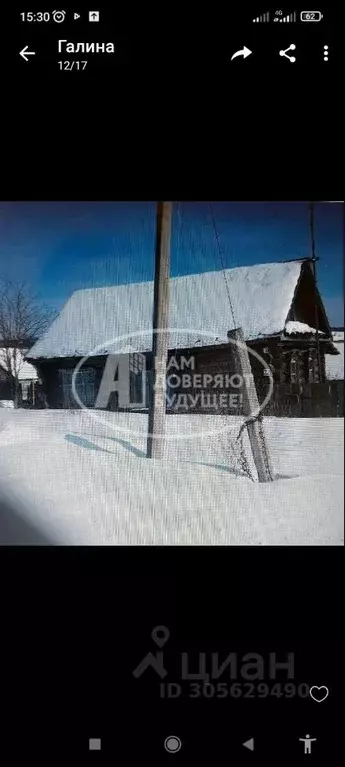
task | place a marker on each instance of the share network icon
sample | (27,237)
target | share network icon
(284,53)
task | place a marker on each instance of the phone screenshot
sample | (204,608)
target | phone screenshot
(172,384)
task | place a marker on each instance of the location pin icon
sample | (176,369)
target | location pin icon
(160,635)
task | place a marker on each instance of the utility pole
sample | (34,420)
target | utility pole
(314,259)
(160,341)
(255,428)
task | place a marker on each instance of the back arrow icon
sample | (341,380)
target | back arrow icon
(24,53)
(243,52)
(249,744)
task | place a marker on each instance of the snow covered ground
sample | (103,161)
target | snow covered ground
(67,478)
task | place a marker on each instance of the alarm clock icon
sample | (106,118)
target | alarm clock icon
(59,16)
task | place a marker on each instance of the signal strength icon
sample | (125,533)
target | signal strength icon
(290,17)
(263,17)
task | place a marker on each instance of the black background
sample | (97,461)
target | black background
(155,123)
(76,622)
(152,41)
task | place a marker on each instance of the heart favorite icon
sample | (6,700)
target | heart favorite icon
(319,693)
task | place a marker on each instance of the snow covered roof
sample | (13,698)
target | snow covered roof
(26,371)
(261,296)
(335,363)
(301,328)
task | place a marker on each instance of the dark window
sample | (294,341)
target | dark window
(85,387)
(294,367)
(313,366)
(138,379)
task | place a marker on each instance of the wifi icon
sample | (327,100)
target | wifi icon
(262,18)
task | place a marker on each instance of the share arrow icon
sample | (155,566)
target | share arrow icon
(243,52)
(249,744)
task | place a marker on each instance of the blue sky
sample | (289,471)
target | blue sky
(59,247)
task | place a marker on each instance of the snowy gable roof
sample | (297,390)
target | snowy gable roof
(261,297)
(300,328)
(25,370)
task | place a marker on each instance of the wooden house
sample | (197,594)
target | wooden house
(277,305)
(12,358)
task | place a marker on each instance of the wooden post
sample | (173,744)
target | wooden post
(156,426)
(250,406)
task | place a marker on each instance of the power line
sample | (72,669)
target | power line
(314,259)
(222,263)
(312,234)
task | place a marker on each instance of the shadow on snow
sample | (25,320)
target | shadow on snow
(75,439)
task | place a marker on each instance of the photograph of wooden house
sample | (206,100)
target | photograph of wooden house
(278,306)
(186,385)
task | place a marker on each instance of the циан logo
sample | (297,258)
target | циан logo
(160,636)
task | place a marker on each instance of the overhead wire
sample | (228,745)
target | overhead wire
(221,257)
(241,457)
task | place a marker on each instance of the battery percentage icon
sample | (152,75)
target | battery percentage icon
(311,16)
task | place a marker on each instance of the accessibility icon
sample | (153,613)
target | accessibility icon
(307,743)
